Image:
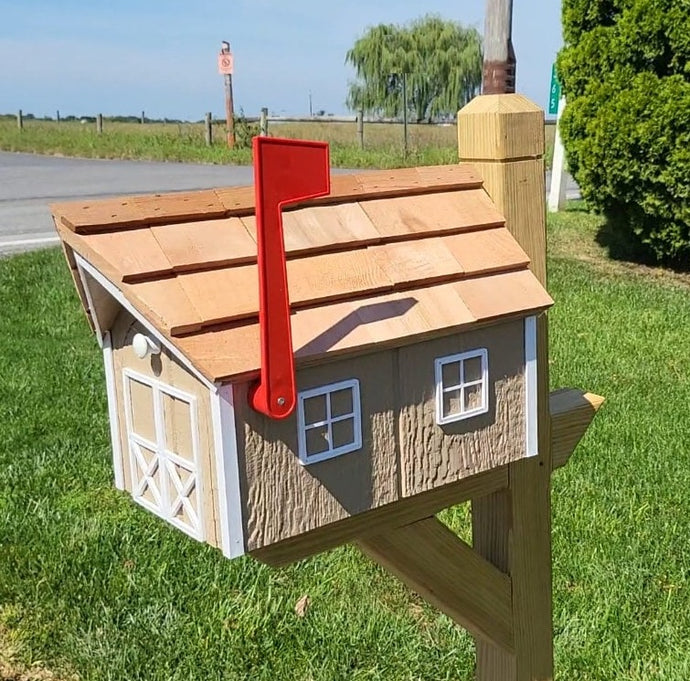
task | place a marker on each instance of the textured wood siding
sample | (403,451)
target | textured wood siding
(433,455)
(283,498)
(167,369)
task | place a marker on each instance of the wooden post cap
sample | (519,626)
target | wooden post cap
(500,127)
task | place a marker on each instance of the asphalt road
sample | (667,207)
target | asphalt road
(29,183)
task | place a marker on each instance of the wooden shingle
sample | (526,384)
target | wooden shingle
(388,258)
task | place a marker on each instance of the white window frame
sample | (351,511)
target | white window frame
(164,509)
(460,358)
(356,415)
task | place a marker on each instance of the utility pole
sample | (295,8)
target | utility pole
(225,68)
(499,57)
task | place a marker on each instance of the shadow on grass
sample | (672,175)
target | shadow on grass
(618,237)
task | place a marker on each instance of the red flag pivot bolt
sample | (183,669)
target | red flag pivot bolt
(285,171)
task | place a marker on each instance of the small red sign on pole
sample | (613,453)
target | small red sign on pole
(225,63)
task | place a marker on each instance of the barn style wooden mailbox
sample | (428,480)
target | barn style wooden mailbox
(408,373)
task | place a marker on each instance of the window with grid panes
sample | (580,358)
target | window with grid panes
(461,386)
(329,421)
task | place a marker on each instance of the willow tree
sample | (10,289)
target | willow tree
(440,60)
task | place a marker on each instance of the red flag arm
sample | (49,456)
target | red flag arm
(285,171)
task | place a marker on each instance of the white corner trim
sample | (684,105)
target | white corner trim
(227,468)
(118,462)
(117,294)
(531,392)
(89,302)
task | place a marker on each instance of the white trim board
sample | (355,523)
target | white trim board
(228,472)
(117,294)
(118,463)
(531,388)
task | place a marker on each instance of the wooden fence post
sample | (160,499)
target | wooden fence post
(99,124)
(360,128)
(263,122)
(57,117)
(503,137)
(143,117)
(20,119)
(209,129)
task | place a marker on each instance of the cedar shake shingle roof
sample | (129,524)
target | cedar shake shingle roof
(388,258)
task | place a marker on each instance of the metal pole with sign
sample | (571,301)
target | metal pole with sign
(225,68)
(556,199)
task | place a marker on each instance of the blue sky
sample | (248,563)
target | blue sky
(122,57)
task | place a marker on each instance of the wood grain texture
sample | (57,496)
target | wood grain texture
(498,295)
(503,135)
(150,253)
(571,413)
(500,128)
(164,367)
(323,228)
(433,455)
(166,303)
(447,573)
(231,294)
(211,243)
(129,254)
(491,539)
(285,498)
(86,217)
(333,331)
(382,519)
(510,185)
(138,211)
(488,250)
(432,214)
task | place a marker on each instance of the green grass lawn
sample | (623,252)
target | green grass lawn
(93,585)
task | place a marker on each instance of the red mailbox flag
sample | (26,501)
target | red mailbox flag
(285,171)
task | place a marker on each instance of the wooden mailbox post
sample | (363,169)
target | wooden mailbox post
(420,375)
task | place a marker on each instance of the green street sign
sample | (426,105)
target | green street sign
(554,92)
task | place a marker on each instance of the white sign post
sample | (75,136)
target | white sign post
(556,200)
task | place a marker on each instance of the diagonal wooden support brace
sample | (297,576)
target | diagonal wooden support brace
(450,575)
(447,573)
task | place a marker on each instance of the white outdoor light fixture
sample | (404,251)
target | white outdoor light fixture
(144,346)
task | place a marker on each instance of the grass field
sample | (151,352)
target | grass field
(92,585)
(428,145)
